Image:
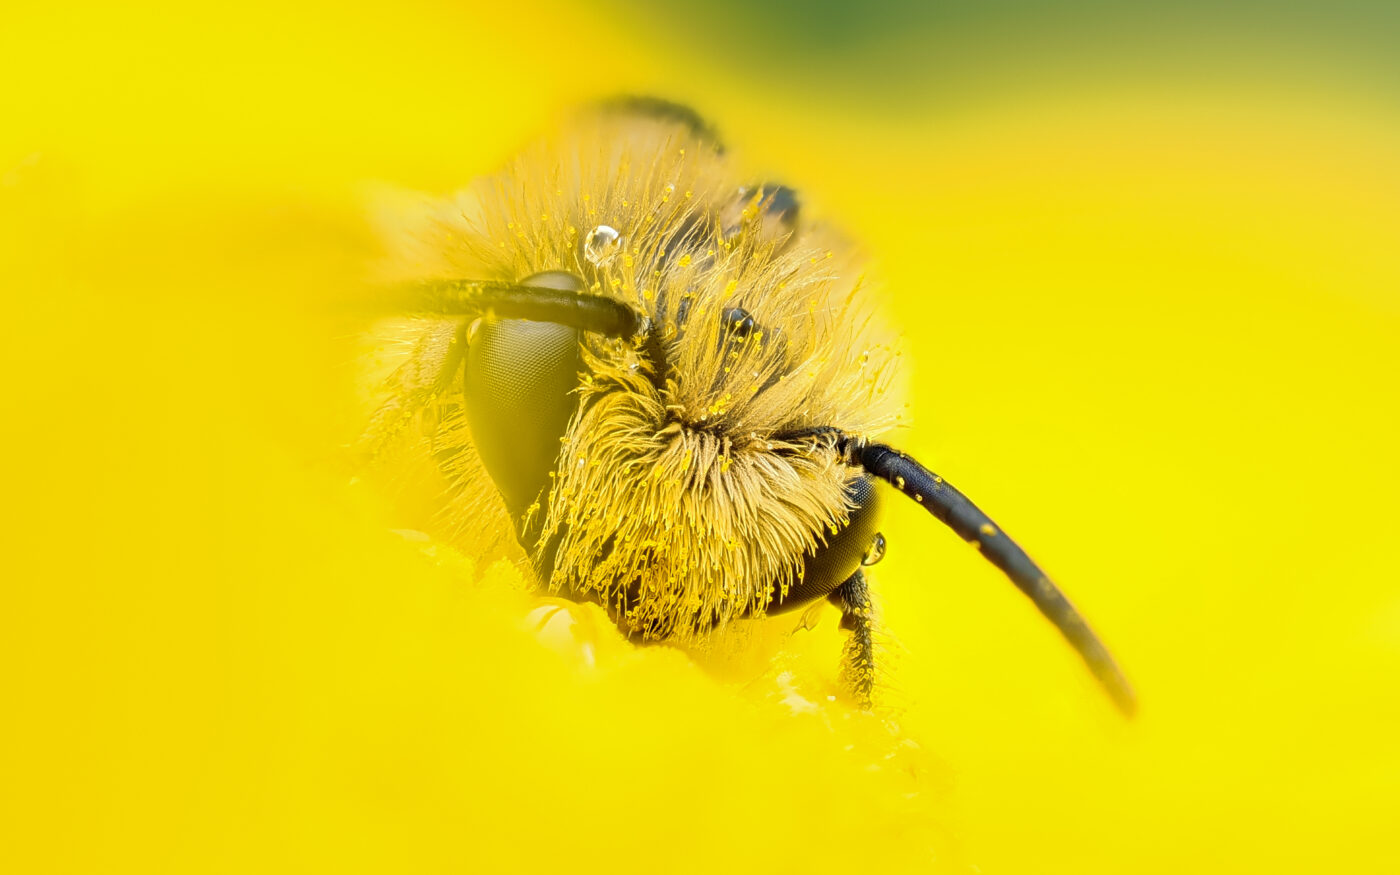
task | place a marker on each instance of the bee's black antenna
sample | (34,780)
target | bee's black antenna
(959,513)
(536,303)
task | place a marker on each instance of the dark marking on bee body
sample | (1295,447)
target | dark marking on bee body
(738,323)
(779,201)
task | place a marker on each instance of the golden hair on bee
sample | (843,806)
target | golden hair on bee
(668,379)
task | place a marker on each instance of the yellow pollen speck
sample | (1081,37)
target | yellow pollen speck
(684,261)
(988,529)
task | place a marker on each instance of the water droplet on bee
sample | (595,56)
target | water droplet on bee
(875,552)
(601,244)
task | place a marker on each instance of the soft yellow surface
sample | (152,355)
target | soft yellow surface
(1154,330)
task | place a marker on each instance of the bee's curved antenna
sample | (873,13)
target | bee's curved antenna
(959,513)
(537,303)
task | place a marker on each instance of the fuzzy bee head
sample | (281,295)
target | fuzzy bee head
(673,380)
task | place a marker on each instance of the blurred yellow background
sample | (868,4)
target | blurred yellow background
(1148,273)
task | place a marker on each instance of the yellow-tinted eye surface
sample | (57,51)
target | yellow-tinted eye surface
(519,381)
(841,553)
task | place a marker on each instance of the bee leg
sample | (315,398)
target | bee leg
(857,618)
(667,111)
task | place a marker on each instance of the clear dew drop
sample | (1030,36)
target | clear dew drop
(601,244)
(875,552)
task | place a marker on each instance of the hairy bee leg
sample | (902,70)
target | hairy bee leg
(857,618)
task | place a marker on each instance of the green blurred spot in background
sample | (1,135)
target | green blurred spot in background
(875,52)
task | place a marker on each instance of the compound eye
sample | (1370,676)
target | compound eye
(843,552)
(875,552)
(519,395)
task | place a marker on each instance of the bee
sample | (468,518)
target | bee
(672,385)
